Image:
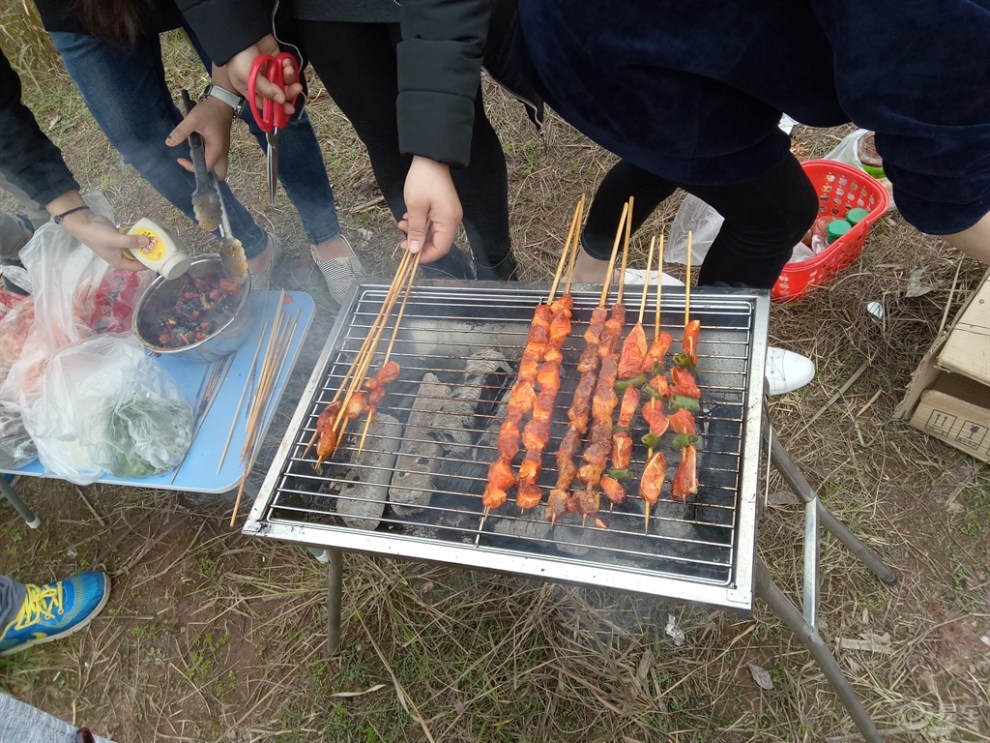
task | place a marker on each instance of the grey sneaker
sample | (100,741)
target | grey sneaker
(342,273)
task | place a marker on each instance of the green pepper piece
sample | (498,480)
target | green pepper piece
(683,401)
(620,474)
(651,441)
(622,384)
(682,440)
(652,392)
(684,361)
(620,429)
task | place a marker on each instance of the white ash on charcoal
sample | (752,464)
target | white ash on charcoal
(418,337)
(510,521)
(412,483)
(363,495)
(456,425)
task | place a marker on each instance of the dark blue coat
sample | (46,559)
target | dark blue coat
(692,90)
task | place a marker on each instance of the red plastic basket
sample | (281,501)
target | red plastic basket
(840,188)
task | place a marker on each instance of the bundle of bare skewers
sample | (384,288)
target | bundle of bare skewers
(634,369)
(359,395)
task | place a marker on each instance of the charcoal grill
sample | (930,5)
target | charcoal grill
(702,551)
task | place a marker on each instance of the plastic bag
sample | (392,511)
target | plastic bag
(847,151)
(702,221)
(105,406)
(75,294)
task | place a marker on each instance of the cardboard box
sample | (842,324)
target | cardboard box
(949,394)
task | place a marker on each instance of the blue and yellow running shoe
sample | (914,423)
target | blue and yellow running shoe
(55,610)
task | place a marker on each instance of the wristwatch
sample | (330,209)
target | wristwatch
(236,102)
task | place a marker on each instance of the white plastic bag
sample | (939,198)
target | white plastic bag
(702,221)
(104,405)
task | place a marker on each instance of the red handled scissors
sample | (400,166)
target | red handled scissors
(272,118)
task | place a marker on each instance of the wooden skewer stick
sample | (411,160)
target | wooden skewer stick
(577,245)
(240,402)
(366,345)
(360,368)
(656,315)
(562,263)
(279,343)
(615,252)
(273,340)
(687,284)
(391,342)
(646,281)
(625,251)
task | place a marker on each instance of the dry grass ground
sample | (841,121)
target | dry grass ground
(214,636)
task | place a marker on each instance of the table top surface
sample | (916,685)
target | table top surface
(202,470)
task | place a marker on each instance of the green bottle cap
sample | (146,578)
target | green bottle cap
(836,229)
(855,216)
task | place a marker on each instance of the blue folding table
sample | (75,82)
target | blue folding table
(232,397)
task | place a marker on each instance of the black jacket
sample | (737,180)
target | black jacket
(445,44)
(28,159)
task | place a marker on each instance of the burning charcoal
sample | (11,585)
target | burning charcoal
(455,425)
(530,524)
(573,539)
(362,496)
(412,484)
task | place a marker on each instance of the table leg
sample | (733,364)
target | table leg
(335,573)
(795,621)
(803,490)
(20,506)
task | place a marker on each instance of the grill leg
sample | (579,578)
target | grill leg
(795,621)
(20,506)
(794,477)
(335,573)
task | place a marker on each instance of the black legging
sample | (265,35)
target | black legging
(357,64)
(764,219)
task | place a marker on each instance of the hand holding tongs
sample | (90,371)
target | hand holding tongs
(272,117)
(208,206)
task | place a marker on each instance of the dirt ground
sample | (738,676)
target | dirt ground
(214,636)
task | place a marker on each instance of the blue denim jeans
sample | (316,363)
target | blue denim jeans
(125,90)
(12,595)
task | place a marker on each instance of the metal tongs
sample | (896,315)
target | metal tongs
(209,209)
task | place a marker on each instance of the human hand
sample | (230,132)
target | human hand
(433,209)
(211,118)
(238,71)
(101,236)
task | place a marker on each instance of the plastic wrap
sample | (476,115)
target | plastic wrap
(105,406)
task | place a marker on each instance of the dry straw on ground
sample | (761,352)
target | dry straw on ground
(213,636)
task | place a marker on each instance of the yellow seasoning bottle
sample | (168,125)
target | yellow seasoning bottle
(163,253)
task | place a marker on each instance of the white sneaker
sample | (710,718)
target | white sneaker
(787,371)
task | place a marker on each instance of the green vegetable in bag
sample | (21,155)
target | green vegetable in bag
(147,434)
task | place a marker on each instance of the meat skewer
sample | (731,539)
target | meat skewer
(537,431)
(389,370)
(560,499)
(544,337)
(651,481)
(355,373)
(632,358)
(599,446)
(685,482)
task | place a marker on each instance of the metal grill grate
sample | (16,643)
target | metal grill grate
(465,342)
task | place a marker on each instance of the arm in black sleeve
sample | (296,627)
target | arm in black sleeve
(28,158)
(226,27)
(439,71)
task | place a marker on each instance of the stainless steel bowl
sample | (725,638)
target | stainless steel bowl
(161,296)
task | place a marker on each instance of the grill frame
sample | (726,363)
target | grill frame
(736,593)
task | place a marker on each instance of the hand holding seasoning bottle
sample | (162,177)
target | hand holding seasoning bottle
(162,254)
